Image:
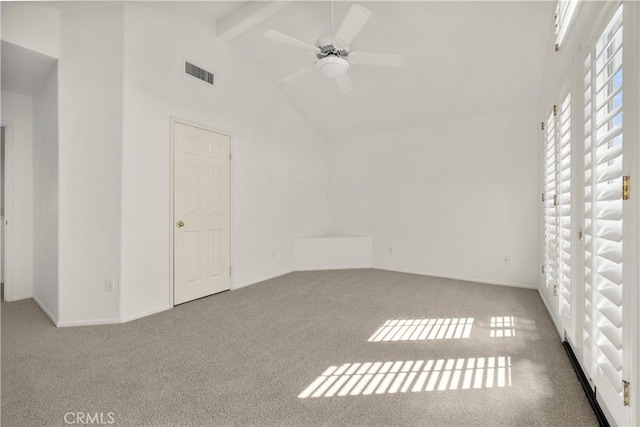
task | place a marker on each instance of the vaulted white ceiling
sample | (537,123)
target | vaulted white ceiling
(462,59)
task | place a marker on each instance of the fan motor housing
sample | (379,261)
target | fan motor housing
(327,47)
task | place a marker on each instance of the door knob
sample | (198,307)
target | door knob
(180,224)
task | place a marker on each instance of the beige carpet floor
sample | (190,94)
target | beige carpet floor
(351,347)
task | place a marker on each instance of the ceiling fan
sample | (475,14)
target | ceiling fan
(332,51)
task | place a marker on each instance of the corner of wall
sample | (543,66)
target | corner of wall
(45,193)
(90,168)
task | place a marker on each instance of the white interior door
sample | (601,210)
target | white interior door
(201,212)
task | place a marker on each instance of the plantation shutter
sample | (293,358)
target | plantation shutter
(550,215)
(604,215)
(564,207)
(588,226)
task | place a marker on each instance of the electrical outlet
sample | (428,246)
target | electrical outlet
(506,259)
(108,285)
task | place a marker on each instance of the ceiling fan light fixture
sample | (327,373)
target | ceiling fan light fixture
(332,66)
(332,50)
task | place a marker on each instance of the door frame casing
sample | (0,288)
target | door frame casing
(7,255)
(173,121)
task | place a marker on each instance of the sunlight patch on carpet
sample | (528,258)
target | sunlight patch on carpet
(502,326)
(355,379)
(423,329)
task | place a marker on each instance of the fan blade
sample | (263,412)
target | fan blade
(283,38)
(291,77)
(379,59)
(351,26)
(344,83)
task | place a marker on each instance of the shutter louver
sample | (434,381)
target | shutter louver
(564,208)
(603,343)
(588,213)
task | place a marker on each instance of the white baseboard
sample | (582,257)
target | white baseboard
(113,321)
(95,322)
(338,267)
(45,310)
(465,279)
(145,314)
(136,316)
(16,297)
(255,282)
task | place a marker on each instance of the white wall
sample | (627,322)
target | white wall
(448,199)
(332,253)
(45,196)
(18,111)
(33,27)
(90,149)
(279,165)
